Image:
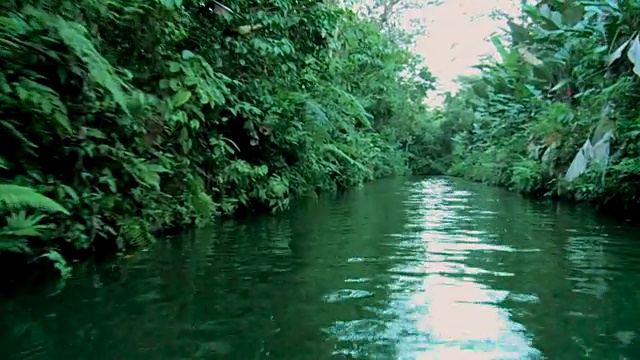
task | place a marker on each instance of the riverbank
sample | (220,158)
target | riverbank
(555,115)
(139,115)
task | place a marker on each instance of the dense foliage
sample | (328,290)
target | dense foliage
(123,117)
(557,114)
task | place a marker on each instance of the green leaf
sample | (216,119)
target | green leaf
(190,80)
(186,54)
(617,54)
(552,18)
(15,197)
(501,49)
(573,14)
(76,37)
(634,55)
(175,84)
(95,133)
(560,85)
(519,33)
(180,98)
(164,84)
(174,67)
(171,4)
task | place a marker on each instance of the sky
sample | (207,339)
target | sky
(457,38)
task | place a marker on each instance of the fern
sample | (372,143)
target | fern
(20,226)
(200,201)
(45,99)
(99,67)
(58,262)
(134,232)
(145,172)
(350,105)
(12,244)
(76,38)
(16,197)
(316,113)
(333,149)
(10,128)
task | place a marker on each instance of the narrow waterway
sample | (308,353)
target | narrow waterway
(400,269)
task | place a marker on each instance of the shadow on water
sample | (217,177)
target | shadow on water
(400,269)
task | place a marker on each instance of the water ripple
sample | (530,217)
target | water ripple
(437,308)
(400,269)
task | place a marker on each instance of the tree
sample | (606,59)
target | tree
(389,14)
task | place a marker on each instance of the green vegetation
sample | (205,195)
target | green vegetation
(121,117)
(557,114)
(124,117)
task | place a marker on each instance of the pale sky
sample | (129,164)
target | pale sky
(457,37)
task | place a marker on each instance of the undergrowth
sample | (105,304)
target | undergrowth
(567,78)
(123,117)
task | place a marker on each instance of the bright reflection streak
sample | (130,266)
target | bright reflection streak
(436,298)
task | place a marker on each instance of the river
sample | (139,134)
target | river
(433,268)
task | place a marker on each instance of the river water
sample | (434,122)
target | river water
(400,269)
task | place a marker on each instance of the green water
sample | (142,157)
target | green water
(400,269)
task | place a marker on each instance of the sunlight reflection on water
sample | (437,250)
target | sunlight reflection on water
(438,309)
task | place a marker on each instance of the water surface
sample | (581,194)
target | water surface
(400,269)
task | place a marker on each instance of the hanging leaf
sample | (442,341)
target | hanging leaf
(519,33)
(573,14)
(556,17)
(552,19)
(617,54)
(601,49)
(560,85)
(532,90)
(501,49)
(634,55)
(529,57)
